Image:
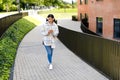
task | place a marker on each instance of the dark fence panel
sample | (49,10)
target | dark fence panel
(86,30)
(103,54)
(5,22)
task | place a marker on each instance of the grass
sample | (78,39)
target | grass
(61,10)
(10,42)
(60,13)
(32,19)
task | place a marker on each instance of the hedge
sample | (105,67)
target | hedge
(9,44)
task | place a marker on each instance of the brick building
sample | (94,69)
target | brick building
(103,16)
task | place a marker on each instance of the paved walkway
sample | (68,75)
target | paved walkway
(7,14)
(31,62)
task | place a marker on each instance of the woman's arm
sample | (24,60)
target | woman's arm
(55,31)
(44,31)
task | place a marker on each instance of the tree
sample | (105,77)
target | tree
(56,2)
(47,2)
(52,2)
(27,3)
(1,7)
(6,4)
(0,1)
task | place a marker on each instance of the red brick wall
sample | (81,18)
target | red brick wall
(107,9)
(82,9)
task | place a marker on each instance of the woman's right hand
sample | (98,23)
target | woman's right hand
(50,31)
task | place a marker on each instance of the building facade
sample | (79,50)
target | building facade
(103,16)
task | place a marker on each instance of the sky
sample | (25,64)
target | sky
(70,1)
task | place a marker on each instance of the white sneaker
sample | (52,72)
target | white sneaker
(50,66)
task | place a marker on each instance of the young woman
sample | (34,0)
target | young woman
(50,32)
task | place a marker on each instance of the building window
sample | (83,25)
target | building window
(81,1)
(85,20)
(117,28)
(86,15)
(99,0)
(81,16)
(99,25)
(86,1)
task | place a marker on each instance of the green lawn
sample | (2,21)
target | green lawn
(60,13)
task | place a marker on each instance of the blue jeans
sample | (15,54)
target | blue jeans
(49,53)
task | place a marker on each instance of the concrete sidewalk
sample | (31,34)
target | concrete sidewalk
(31,62)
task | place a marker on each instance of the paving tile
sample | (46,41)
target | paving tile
(31,62)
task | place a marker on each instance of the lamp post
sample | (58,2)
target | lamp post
(72,3)
(64,7)
(18,2)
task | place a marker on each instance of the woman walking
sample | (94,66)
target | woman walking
(49,31)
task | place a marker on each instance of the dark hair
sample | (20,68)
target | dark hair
(52,16)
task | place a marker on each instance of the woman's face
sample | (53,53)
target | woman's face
(50,19)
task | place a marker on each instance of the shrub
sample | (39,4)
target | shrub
(13,8)
(1,7)
(74,18)
(68,6)
(9,43)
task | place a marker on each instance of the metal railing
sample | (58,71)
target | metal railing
(103,54)
(5,22)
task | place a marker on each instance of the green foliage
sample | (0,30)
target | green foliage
(7,5)
(68,6)
(13,8)
(1,7)
(1,1)
(9,43)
